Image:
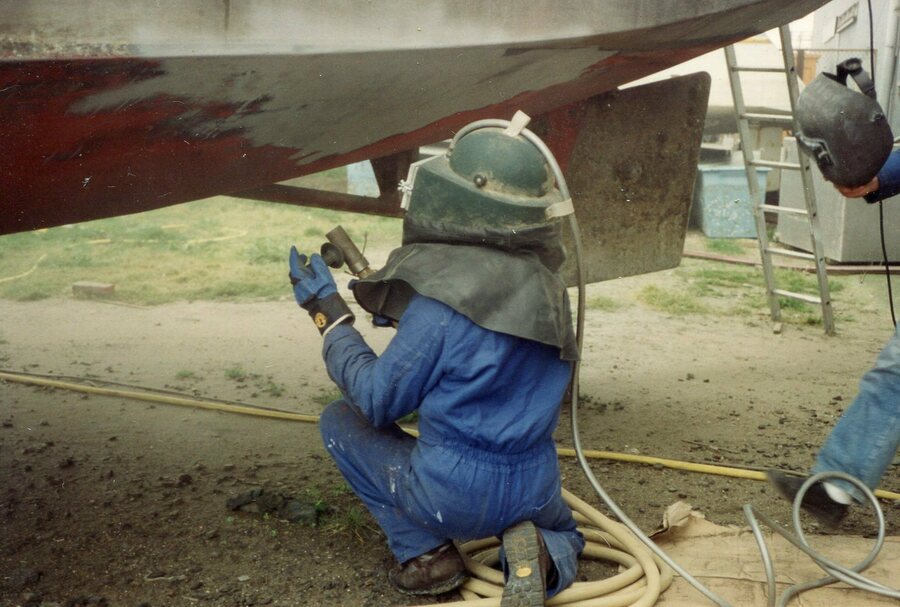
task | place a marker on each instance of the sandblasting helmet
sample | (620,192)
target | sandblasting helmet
(493,188)
(483,235)
(846,132)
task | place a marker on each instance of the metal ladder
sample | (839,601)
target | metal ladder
(811,212)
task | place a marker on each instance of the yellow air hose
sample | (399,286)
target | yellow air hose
(149,396)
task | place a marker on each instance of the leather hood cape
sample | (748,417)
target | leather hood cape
(500,286)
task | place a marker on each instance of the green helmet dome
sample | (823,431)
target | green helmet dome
(491,189)
(499,163)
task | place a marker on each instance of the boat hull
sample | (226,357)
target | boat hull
(107,128)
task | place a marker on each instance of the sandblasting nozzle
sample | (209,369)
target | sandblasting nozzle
(355,260)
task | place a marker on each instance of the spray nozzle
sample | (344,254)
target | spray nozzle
(340,249)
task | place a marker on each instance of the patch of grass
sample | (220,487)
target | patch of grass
(326,397)
(185,374)
(803,282)
(725,246)
(342,489)
(604,303)
(263,251)
(714,280)
(35,293)
(272,388)
(237,373)
(409,418)
(790,304)
(671,301)
(740,291)
(219,249)
(354,520)
(265,384)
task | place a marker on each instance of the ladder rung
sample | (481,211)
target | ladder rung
(789,253)
(774,164)
(773,208)
(750,68)
(769,118)
(813,299)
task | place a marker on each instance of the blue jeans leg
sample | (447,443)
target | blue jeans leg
(374,462)
(865,439)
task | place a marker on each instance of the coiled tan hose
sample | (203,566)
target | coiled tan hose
(639,585)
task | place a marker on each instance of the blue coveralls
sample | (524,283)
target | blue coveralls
(888,179)
(485,458)
(865,439)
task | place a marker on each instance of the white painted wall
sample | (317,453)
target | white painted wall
(854,41)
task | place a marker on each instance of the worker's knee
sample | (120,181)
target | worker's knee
(335,419)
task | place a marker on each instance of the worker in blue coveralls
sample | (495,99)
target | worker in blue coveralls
(846,133)
(483,352)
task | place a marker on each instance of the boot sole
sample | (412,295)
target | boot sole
(525,585)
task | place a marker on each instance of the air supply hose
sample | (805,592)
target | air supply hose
(642,579)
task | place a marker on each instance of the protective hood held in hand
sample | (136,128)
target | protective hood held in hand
(845,131)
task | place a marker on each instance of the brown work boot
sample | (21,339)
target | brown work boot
(435,572)
(528,564)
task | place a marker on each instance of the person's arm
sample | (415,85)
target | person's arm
(884,185)
(387,387)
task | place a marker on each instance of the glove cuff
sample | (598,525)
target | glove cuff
(328,312)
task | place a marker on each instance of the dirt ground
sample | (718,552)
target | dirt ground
(111,500)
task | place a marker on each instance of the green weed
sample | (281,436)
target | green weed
(237,373)
(184,374)
(725,277)
(725,246)
(409,418)
(273,389)
(341,489)
(326,397)
(604,303)
(671,301)
(353,520)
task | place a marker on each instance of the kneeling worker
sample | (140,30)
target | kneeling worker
(483,351)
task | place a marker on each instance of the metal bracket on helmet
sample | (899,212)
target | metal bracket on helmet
(406,185)
(816,148)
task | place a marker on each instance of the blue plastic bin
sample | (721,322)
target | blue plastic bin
(721,205)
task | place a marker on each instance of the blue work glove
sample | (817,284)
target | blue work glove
(311,281)
(315,291)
